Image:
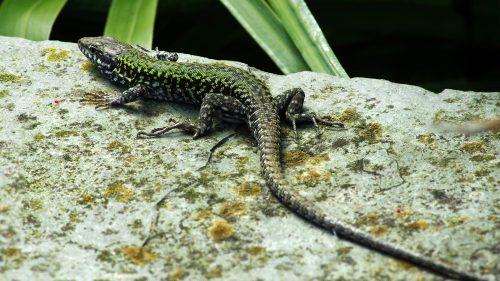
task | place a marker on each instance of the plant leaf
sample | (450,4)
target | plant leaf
(132,21)
(31,19)
(307,36)
(260,21)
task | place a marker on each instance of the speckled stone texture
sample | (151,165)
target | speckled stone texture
(81,198)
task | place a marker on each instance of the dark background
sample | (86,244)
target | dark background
(435,44)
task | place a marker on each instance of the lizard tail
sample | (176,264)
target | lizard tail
(268,140)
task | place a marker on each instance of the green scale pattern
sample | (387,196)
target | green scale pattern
(191,78)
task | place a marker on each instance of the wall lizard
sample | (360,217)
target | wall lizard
(235,95)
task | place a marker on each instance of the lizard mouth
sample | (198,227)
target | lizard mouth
(100,60)
(99,50)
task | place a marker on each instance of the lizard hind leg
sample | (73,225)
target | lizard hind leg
(213,106)
(290,104)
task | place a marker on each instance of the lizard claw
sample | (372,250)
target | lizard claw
(99,99)
(156,132)
(312,117)
(329,123)
(186,127)
(294,126)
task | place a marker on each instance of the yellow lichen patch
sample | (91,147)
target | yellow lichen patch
(419,224)
(348,115)
(4,94)
(7,77)
(11,252)
(7,233)
(313,177)
(215,272)
(87,199)
(298,158)
(138,255)
(247,189)
(378,230)
(371,133)
(220,230)
(426,138)
(119,147)
(343,251)
(255,250)
(242,161)
(463,179)
(35,204)
(39,137)
(4,209)
(371,217)
(65,133)
(483,157)
(405,265)
(473,146)
(201,215)
(232,209)
(74,217)
(420,277)
(118,192)
(459,220)
(176,274)
(295,158)
(55,55)
(404,171)
(481,172)
(130,159)
(87,66)
(319,158)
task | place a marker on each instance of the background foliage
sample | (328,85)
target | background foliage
(436,44)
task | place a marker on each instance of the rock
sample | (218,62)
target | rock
(80,194)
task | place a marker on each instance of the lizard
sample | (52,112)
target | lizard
(235,95)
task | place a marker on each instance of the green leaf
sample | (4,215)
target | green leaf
(307,36)
(31,19)
(288,33)
(260,21)
(132,21)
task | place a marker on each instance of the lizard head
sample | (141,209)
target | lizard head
(102,51)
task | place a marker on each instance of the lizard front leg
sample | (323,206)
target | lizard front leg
(102,100)
(290,104)
(213,106)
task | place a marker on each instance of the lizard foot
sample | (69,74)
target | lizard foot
(99,99)
(312,117)
(187,127)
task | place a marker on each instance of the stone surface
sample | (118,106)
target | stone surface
(80,194)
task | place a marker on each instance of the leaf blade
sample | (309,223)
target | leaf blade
(30,19)
(261,23)
(307,36)
(132,21)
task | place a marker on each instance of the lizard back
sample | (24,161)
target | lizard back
(189,82)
